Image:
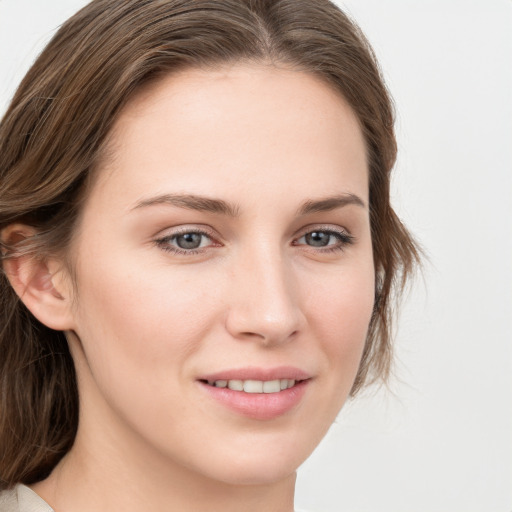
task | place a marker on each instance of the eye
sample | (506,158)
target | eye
(185,242)
(190,240)
(327,239)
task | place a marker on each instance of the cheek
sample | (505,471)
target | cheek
(144,321)
(138,331)
(340,312)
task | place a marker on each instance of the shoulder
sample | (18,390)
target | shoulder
(22,499)
(9,501)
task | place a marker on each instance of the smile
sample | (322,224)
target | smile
(256,393)
(255,386)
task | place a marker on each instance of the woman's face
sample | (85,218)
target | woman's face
(225,245)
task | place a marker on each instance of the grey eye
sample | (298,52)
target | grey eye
(326,239)
(319,238)
(185,242)
(189,240)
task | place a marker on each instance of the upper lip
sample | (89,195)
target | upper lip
(255,373)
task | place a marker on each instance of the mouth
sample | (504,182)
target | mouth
(257,394)
(254,386)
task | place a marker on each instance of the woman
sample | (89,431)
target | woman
(198,252)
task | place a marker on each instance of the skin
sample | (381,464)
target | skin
(144,322)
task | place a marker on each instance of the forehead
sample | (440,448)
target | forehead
(256,124)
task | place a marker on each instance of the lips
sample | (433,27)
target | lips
(261,394)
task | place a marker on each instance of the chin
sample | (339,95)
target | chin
(260,461)
(267,473)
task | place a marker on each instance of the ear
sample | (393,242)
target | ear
(43,285)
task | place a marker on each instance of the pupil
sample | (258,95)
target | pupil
(317,238)
(189,240)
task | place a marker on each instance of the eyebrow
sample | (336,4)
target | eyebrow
(219,206)
(331,203)
(192,202)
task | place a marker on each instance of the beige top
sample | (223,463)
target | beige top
(22,499)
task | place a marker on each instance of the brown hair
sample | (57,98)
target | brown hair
(52,135)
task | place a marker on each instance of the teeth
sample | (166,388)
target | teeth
(255,386)
(236,385)
(271,386)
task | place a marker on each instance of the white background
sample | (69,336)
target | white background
(440,440)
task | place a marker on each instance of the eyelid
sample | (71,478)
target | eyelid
(324,227)
(185,228)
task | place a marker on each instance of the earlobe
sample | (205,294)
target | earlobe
(40,283)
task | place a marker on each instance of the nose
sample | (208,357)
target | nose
(265,300)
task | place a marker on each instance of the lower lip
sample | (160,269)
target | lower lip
(258,406)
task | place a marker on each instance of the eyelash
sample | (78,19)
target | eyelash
(344,239)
